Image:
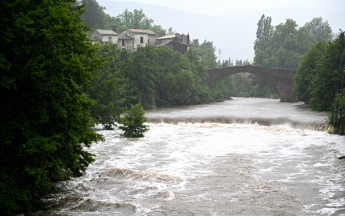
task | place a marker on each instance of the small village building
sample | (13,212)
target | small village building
(130,39)
(104,36)
(179,42)
(125,42)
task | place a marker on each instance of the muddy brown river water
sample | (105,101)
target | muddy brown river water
(244,156)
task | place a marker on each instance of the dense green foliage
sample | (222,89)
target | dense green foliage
(45,117)
(284,46)
(95,17)
(133,122)
(264,27)
(307,71)
(207,50)
(327,81)
(136,20)
(107,88)
(337,114)
(319,29)
(153,76)
(319,78)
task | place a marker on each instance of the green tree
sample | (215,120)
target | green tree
(327,82)
(207,50)
(307,71)
(133,122)
(319,29)
(337,114)
(133,20)
(264,26)
(284,47)
(94,15)
(141,76)
(107,88)
(45,117)
(179,78)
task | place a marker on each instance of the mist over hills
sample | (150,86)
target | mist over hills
(234,32)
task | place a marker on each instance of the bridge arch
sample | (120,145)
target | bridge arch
(280,78)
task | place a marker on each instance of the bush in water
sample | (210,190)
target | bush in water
(133,122)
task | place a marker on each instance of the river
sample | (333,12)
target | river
(244,156)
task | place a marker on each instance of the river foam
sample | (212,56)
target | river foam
(212,168)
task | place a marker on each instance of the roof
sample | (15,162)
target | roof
(106,32)
(166,37)
(165,43)
(95,38)
(137,31)
(123,36)
(169,41)
(149,32)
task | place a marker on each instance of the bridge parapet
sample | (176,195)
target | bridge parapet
(280,78)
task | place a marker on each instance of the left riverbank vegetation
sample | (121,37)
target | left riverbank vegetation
(46,58)
(56,85)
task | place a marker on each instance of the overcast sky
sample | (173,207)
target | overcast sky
(219,7)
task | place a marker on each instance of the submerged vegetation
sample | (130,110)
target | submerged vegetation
(133,122)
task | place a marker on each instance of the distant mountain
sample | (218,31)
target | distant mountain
(234,33)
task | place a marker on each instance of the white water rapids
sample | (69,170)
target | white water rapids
(240,157)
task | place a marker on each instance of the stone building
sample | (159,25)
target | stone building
(179,42)
(104,36)
(130,39)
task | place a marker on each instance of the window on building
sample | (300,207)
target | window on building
(109,39)
(141,39)
(123,43)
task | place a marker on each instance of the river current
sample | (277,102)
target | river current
(244,156)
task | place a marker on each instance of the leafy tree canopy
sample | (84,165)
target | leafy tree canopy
(307,71)
(133,122)
(45,117)
(284,46)
(327,81)
(319,29)
(207,50)
(107,88)
(95,17)
(264,26)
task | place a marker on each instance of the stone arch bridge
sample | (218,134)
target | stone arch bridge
(280,78)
